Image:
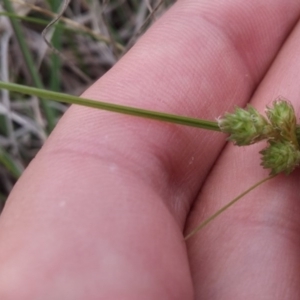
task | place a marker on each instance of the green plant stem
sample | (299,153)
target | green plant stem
(212,217)
(59,97)
(49,113)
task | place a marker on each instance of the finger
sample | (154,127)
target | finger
(95,211)
(181,78)
(252,250)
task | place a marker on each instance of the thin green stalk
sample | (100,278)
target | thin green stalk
(49,113)
(59,97)
(212,217)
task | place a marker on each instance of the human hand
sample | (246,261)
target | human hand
(99,214)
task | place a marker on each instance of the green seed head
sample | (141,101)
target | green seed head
(280,157)
(283,119)
(245,126)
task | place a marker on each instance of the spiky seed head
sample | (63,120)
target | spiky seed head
(283,119)
(245,126)
(280,157)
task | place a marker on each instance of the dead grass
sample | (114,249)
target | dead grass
(92,38)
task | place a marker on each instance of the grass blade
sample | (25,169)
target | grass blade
(9,163)
(49,113)
(216,214)
(59,97)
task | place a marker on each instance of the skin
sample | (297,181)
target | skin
(100,212)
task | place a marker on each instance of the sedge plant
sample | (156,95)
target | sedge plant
(244,127)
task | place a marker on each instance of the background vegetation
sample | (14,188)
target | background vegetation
(91,37)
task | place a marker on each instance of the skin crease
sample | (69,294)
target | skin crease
(99,213)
